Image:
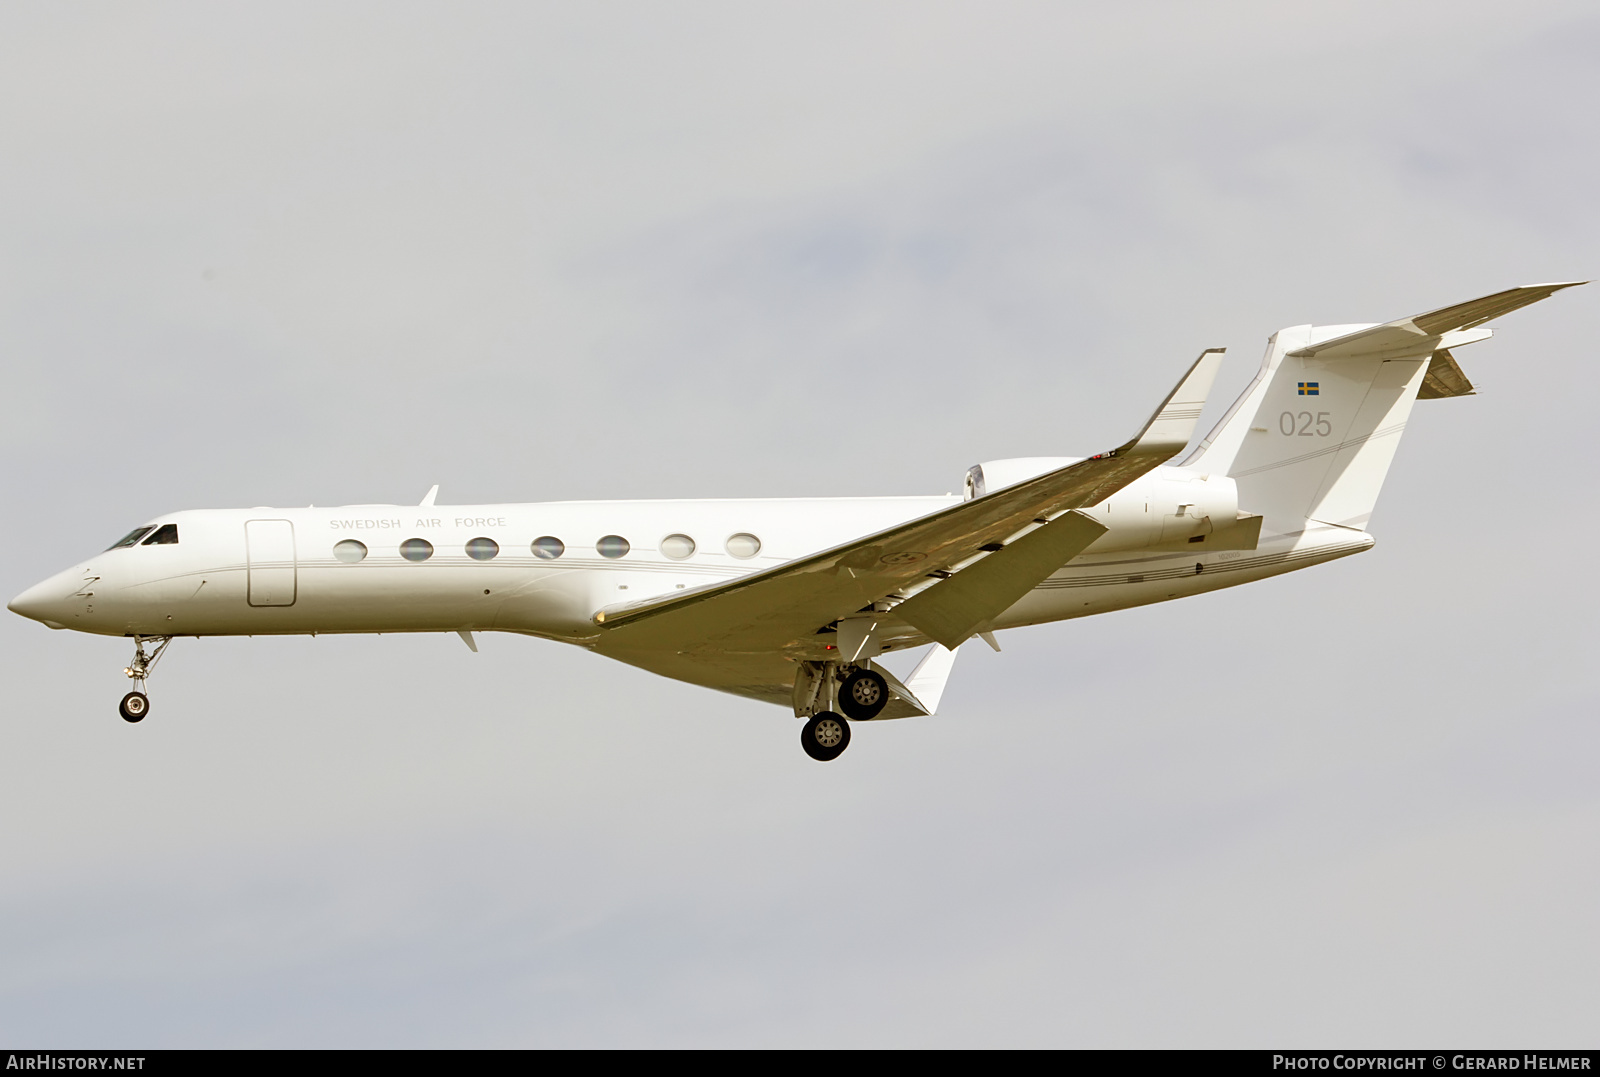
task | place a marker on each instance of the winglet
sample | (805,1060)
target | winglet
(1171,427)
(427,499)
(927,681)
(921,692)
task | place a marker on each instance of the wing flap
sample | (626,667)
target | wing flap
(951,610)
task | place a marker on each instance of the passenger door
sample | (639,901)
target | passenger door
(269,549)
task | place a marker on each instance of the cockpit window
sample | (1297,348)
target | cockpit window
(130,538)
(166,535)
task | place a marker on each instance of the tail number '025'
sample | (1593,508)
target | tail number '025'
(1304,424)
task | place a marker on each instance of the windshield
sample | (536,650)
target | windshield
(130,538)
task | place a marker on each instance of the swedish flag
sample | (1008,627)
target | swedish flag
(1309,388)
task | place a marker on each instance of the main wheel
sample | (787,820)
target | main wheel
(825,737)
(864,695)
(134,706)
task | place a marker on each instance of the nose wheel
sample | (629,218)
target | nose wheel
(135,705)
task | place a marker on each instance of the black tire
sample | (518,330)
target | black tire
(863,695)
(825,736)
(134,706)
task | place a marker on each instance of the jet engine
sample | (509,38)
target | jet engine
(1170,508)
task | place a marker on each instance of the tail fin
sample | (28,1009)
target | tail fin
(1313,436)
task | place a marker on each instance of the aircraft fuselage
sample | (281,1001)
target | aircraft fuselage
(267,571)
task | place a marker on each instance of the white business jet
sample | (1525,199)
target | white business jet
(795,601)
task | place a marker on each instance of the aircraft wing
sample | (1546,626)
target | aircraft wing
(965,564)
(1424,332)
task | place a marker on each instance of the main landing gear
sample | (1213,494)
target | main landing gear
(824,689)
(825,736)
(863,695)
(135,705)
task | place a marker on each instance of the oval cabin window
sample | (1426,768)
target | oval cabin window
(743,545)
(677,547)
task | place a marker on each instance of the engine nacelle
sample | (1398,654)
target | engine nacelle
(1170,508)
(992,475)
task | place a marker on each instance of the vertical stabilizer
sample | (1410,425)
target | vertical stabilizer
(1313,436)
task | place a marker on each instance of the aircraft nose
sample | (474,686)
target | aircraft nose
(43,602)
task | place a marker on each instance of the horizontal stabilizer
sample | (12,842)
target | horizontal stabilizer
(1422,332)
(1477,311)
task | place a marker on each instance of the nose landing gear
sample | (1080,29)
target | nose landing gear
(135,705)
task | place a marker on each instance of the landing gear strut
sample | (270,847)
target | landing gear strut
(135,705)
(822,690)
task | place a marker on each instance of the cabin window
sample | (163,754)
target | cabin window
(416,549)
(548,547)
(612,546)
(130,538)
(165,535)
(677,547)
(482,549)
(743,545)
(350,551)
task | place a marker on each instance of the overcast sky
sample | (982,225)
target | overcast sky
(289,254)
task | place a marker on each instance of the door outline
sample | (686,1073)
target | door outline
(270,565)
